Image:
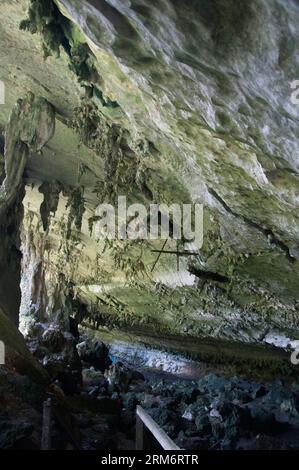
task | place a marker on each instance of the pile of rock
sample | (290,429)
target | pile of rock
(211,413)
(225,413)
(56,349)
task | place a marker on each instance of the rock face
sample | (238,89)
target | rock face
(164,102)
(217,413)
(31,125)
(94,353)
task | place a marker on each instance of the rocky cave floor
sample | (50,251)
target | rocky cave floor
(169,102)
(94,397)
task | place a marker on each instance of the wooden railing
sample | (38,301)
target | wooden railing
(47,422)
(55,411)
(143,419)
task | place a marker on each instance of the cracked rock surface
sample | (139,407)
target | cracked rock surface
(162,101)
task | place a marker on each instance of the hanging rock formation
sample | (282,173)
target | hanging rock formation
(31,125)
(167,102)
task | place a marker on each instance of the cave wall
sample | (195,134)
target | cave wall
(10,260)
(31,125)
(166,102)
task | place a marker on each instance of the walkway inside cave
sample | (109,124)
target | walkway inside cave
(125,115)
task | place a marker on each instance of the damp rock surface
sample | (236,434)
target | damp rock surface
(164,102)
(167,102)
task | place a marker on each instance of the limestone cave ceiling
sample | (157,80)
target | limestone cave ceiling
(162,101)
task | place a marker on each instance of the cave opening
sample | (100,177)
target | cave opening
(122,343)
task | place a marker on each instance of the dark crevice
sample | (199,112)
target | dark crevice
(208,275)
(265,231)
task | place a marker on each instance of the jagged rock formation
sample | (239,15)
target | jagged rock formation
(162,102)
(31,126)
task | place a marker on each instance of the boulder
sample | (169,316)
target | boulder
(53,339)
(94,353)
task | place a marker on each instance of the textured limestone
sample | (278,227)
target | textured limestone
(171,102)
(31,125)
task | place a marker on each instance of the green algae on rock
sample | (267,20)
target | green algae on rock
(198,111)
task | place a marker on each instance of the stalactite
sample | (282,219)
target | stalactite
(50,203)
(31,126)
